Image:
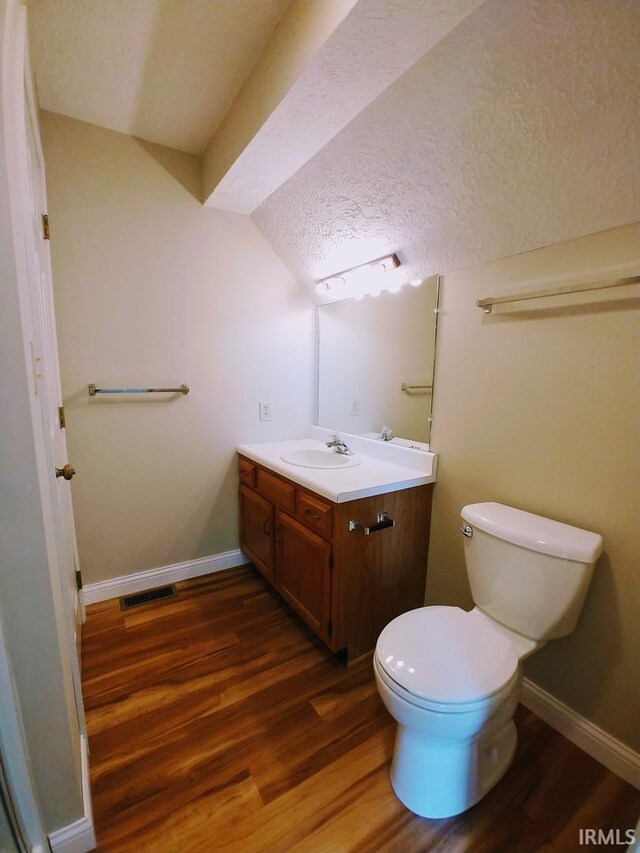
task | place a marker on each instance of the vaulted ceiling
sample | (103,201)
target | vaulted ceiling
(255,87)
(164,70)
(449,131)
(519,129)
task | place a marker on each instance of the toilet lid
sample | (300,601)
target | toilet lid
(444,654)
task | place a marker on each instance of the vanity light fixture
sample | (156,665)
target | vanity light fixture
(363,274)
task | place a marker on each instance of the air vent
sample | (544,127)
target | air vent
(129,601)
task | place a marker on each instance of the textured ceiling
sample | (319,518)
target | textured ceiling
(377,41)
(447,131)
(519,129)
(191,74)
(163,70)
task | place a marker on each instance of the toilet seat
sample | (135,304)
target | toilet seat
(485,705)
(445,659)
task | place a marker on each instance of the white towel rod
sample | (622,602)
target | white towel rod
(487,304)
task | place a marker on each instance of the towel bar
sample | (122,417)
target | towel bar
(183,389)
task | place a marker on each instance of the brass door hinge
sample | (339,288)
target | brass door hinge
(78,579)
(61,418)
(46,234)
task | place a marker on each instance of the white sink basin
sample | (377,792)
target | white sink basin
(311,458)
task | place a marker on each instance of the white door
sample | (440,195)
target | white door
(47,384)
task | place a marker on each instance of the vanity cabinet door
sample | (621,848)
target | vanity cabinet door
(303,573)
(256,530)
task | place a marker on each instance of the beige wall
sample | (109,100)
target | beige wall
(152,288)
(539,407)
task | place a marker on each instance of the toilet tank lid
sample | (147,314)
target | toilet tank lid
(534,531)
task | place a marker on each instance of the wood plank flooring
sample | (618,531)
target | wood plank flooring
(219,724)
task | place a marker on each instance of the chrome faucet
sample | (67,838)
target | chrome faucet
(338,445)
(386,434)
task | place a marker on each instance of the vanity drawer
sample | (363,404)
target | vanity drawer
(316,514)
(247,472)
(276,490)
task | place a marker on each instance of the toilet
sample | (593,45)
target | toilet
(451,678)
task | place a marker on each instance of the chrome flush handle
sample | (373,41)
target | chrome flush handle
(467,531)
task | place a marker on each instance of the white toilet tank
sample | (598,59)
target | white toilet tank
(528,572)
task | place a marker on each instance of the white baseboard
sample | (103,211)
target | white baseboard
(140,581)
(76,837)
(79,836)
(617,757)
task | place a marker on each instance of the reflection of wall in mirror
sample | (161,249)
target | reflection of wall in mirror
(368,348)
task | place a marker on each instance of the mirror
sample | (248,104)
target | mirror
(376,363)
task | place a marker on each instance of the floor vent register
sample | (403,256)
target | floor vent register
(129,601)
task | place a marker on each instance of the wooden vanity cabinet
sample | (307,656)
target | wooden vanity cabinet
(345,585)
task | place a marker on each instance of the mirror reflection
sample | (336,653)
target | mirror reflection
(376,363)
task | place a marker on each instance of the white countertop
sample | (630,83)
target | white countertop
(383,468)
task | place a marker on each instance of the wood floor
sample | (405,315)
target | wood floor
(219,724)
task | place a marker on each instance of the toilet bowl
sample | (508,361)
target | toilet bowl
(451,678)
(455,735)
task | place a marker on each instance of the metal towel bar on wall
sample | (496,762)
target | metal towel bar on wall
(415,389)
(487,304)
(183,389)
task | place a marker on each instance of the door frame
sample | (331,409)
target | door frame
(48,386)
(18,107)
(14,763)
(14,747)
